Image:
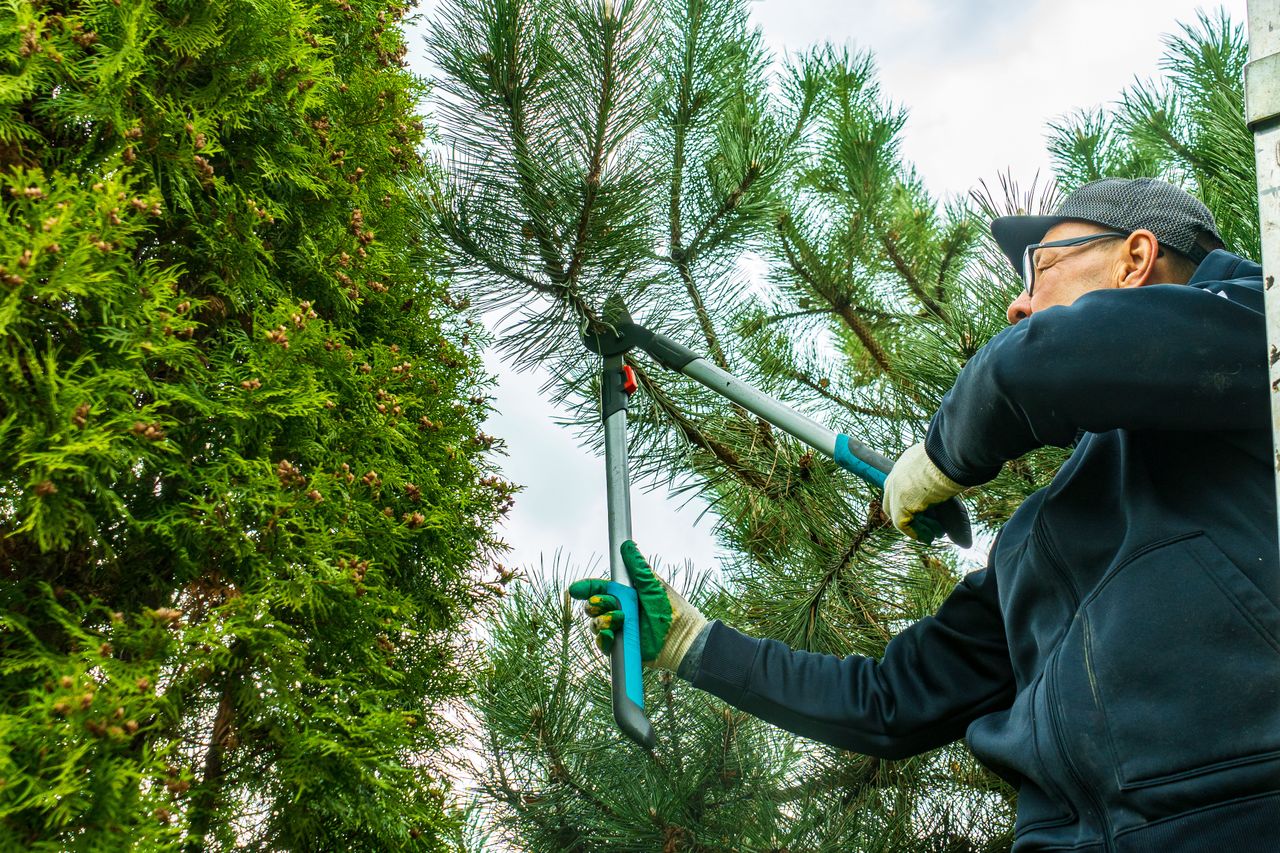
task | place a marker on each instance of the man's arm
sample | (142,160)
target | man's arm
(935,678)
(1168,357)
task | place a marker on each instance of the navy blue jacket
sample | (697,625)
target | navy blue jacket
(1118,659)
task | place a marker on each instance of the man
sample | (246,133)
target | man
(1118,660)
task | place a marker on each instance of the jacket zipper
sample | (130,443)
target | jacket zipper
(1055,720)
(1051,555)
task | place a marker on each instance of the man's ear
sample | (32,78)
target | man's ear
(1137,262)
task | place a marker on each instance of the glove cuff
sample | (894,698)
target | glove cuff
(686,624)
(939,482)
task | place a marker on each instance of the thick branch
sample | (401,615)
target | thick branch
(891,249)
(684,115)
(205,800)
(597,150)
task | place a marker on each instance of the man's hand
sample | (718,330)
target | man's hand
(914,485)
(668,623)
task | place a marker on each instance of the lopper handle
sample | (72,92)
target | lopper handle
(628,687)
(950,515)
(849,453)
(616,385)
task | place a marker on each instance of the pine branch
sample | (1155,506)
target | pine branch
(708,237)
(603,113)
(552,262)
(716,772)
(559,771)
(875,521)
(463,239)
(952,252)
(889,242)
(809,274)
(825,392)
(721,453)
(667,682)
(504,784)
(685,111)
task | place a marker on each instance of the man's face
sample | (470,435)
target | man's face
(1065,274)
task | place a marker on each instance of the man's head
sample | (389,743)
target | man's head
(1109,233)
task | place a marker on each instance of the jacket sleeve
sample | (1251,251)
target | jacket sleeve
(1163,357)
(935,678)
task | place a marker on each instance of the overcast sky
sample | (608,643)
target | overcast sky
(981,81)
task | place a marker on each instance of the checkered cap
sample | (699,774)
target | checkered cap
(1179,220)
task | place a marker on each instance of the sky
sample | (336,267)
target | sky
(981,81)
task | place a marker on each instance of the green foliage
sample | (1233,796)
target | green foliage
(706,157)
(1188,128)
(243,493)
(558,775)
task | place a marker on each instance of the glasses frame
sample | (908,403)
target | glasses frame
(1028,254)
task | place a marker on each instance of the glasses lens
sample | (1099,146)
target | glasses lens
(1028,268)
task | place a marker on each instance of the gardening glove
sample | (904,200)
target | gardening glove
(914,485)
(668,623)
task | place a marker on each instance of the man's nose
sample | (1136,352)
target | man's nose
(1019,309)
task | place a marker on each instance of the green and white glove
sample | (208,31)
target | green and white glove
(668,623)
(914,485)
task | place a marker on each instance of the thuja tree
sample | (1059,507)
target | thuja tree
(243,495)
(652,149)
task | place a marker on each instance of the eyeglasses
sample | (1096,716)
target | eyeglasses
(1029,254)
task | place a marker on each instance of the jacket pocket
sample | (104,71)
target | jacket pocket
(1182,657)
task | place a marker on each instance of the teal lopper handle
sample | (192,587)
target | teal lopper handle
(628,686)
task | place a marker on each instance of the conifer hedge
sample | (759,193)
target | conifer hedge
(243,491)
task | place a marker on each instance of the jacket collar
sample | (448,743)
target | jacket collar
(1221,265)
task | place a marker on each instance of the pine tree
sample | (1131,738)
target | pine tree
(243,493)
(649,148)
(1187,128)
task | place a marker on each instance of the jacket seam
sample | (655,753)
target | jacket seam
(1203,770)
(1040,531)
(1243,609)
(1094,797)
(1266,795)
(1115,570)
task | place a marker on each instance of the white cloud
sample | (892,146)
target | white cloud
(983,79)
